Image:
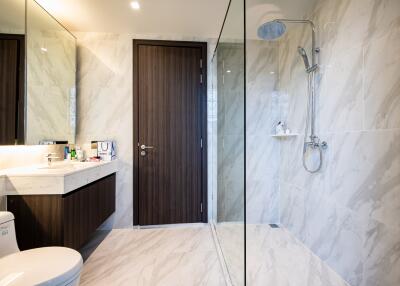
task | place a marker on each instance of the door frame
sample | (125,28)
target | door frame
(21,108)
(203,93)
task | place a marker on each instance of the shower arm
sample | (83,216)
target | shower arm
(313,38)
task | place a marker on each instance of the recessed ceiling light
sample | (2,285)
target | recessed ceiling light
(135,5)
(44,50)
(228,71)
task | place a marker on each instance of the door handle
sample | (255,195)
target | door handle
(144,147)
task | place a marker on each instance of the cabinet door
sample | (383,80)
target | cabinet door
(86,209)
(38,220)
(72,222)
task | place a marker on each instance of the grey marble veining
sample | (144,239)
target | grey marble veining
(230,132)
(262,114)
(105,106)
(170,256)
(273,257)
(382,82)
(348,213)
(51,74)
(262,106)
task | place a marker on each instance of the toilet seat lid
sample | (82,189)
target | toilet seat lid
(40,266)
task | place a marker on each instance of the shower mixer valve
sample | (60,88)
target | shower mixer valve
(315,143)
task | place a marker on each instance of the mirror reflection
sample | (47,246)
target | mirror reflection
(51,70)
(37,74)
(12,71)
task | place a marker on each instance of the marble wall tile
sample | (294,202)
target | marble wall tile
(262,151)
(262,114)
(105,106)
(347,213)
(262,183)
(369,182)
(382,82)
(230,73)
(342,210)
(341,92)
(261,84)
(230,132)
(51,79)
(25,155)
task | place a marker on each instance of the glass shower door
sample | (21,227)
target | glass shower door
(228,135)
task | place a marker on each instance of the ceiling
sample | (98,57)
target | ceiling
(200,18)
(261,11)
(191,18)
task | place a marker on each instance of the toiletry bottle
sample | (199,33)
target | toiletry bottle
(79,153)
(73,153)
(279,128)
(66,151)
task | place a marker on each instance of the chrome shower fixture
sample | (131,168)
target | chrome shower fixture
(275,29)
(303,54)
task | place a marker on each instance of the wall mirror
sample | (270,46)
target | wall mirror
(37,74)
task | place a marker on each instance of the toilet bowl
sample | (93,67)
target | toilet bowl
(55,266)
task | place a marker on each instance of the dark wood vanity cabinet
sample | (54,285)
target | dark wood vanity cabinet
(62,220)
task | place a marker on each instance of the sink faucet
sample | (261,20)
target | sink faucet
(50,157)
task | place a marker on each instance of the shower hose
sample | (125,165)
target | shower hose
(314,143)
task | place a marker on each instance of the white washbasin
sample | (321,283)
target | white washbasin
(68,166)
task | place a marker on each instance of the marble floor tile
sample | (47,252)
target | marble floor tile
(187,256)
(162,256)
(273,257)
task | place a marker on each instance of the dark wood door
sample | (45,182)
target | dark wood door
(11,89)
(169,84)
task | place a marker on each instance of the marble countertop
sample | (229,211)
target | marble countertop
(59,178)
(57,169)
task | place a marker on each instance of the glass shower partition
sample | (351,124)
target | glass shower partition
(228,139)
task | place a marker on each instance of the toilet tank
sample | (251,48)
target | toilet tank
(8,240)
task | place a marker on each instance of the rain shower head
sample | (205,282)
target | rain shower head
(303,54)
(275,29)
(271,30)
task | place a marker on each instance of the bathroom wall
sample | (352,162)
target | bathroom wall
(230,133)
(105,106)
(262,150)
(25,155)
(348,213)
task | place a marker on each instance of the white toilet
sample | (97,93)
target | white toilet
(53,266)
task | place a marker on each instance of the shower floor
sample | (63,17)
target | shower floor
(188,256)
(274,257)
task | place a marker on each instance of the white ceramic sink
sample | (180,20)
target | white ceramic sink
(67,166)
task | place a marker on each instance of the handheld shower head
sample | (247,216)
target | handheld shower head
(303,54)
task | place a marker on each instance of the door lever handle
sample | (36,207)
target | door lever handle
(144,147)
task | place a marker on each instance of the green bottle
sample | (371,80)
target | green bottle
(73,154)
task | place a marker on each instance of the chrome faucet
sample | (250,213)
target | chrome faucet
(50,157)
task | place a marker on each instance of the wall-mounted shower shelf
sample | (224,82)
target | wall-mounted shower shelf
(281,136)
